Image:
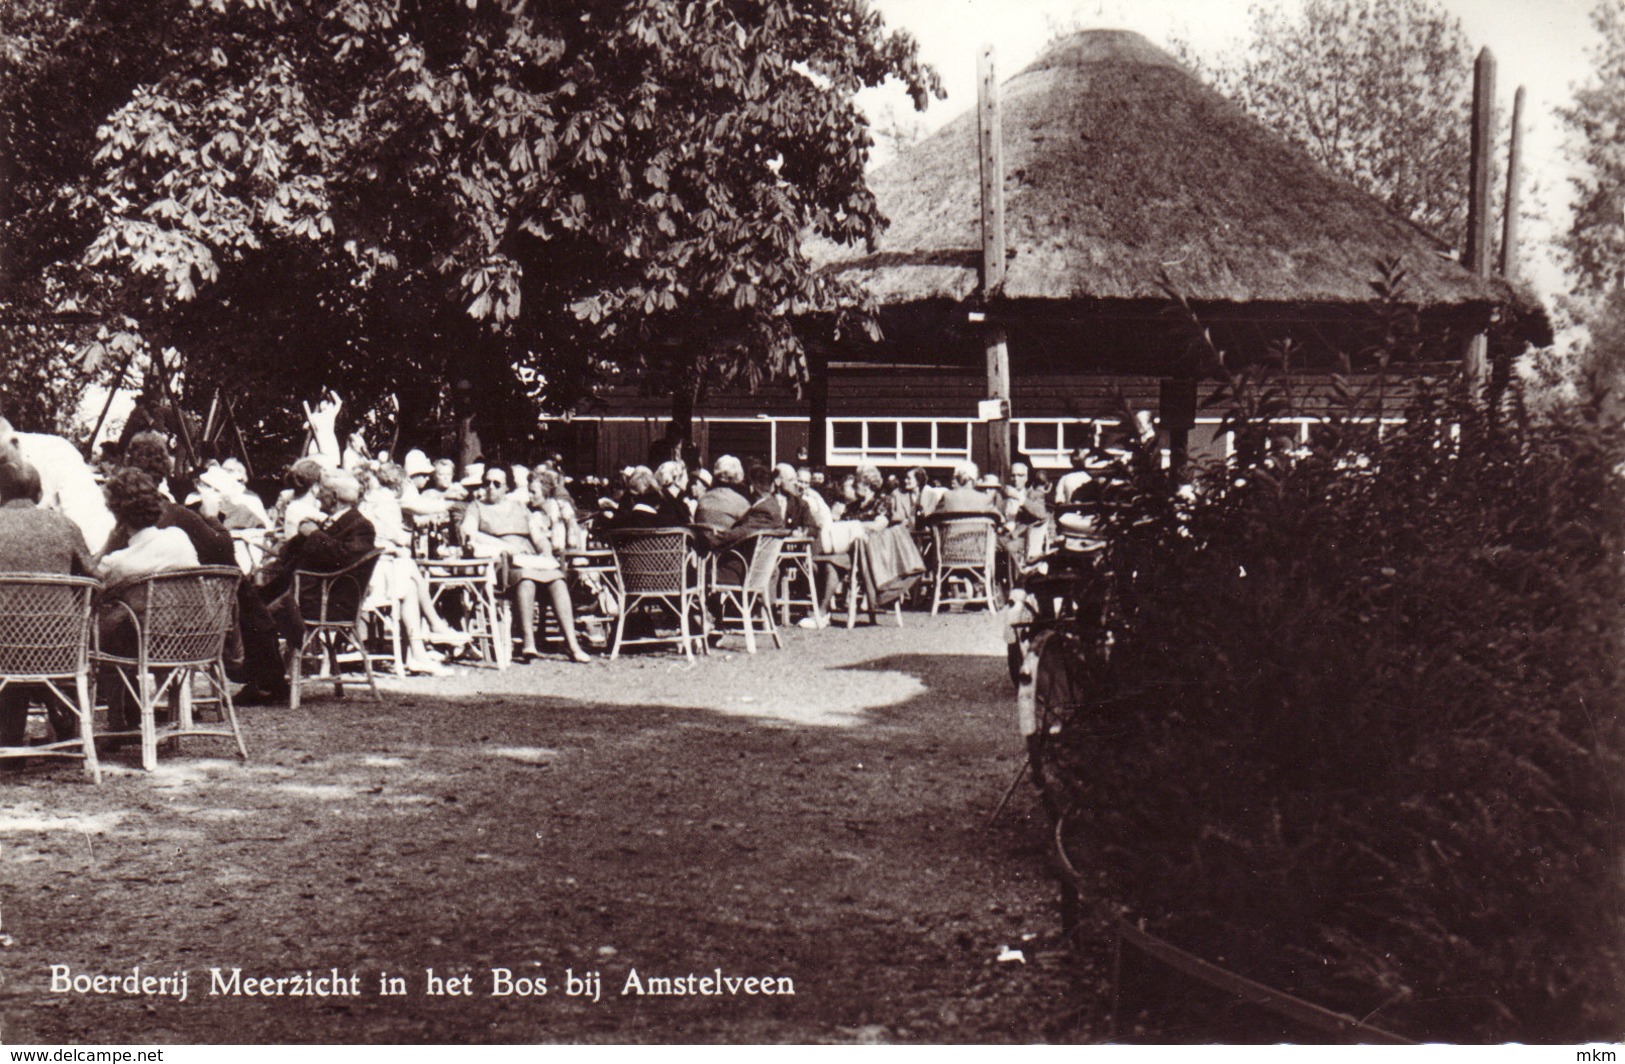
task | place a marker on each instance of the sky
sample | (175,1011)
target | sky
(1540,44)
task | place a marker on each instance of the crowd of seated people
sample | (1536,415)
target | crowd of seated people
(725,504)
(342,503)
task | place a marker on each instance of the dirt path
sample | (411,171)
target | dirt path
(816,815)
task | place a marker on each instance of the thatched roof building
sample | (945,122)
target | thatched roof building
(1121,166)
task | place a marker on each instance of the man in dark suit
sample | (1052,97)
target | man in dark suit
(343,539)
(765,514)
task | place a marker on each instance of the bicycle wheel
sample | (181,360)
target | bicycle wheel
(1057,679)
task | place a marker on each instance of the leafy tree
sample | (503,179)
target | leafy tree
(1596,238)
(390,196)
(1377,91)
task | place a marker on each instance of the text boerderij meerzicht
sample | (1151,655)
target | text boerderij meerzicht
(331,983)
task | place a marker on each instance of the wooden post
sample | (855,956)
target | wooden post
(242,444)
(1176,412)
(990,143)
(998,387)
(1481,144)
(817,404)
(1501,365)
(1478,200)
(1509,222)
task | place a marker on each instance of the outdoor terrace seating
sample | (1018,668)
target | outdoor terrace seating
(45,639)
(332,629)
(179,621)
(660,567)
(485,613)
(963,552)
(753,595)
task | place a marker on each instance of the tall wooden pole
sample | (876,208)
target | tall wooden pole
(1478,199)
(817,404)
(1509,222)
(1501,364)
(990,144)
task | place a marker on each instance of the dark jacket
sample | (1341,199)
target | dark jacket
(209,538)
(719,510)
(766,514)
(337,545)
(651,510)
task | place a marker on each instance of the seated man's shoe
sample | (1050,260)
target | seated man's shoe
(254,695)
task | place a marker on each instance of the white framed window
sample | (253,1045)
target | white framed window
(1049,442)
(898,441)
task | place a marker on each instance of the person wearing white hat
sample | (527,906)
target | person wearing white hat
(417,464)
(418,500)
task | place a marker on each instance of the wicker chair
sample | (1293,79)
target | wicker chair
(964,546)
(181,620)
(759,558)
(659,565)
(333,628)
(45,639)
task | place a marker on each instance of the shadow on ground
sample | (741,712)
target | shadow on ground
(844,846)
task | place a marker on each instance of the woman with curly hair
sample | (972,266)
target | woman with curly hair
(133,498)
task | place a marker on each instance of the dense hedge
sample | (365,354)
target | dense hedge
(1358,732)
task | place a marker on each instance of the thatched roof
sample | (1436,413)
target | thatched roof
(1119,164)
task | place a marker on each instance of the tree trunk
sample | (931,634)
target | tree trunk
(685,395)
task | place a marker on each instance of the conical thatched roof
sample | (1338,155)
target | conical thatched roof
(1119,164)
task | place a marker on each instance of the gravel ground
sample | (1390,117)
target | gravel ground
(817,816)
